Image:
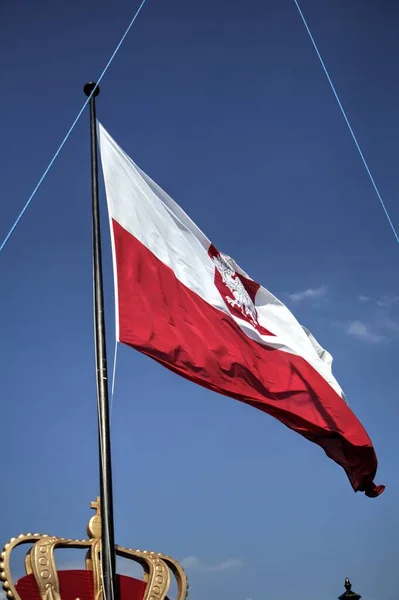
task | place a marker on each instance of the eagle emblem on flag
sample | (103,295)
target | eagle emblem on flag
(237,291)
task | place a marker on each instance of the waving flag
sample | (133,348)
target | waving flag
(194,310)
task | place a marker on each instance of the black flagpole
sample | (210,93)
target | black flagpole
(107,512)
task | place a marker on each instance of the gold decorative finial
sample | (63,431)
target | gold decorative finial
(94,525)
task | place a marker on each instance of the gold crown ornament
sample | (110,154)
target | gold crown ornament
(43,582)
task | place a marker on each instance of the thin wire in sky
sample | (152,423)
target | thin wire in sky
(113,378)
(52,161)
(348,123)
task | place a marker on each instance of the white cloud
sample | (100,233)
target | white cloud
(310,293)
(190,562)
(230,564)
(386,302)
(362,332)
(2,594)
(391,324)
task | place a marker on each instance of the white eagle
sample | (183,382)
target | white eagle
(242,299)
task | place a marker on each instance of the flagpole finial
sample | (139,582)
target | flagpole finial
(89,87)
(349,594)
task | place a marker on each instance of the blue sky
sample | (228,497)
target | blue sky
(225,105)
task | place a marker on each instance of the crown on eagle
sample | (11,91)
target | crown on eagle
(43,582)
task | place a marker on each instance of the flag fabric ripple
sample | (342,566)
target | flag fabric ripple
(190,307)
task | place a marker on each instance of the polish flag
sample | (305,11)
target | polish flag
(191,308)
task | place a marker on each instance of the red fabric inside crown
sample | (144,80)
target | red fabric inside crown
(79,584)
